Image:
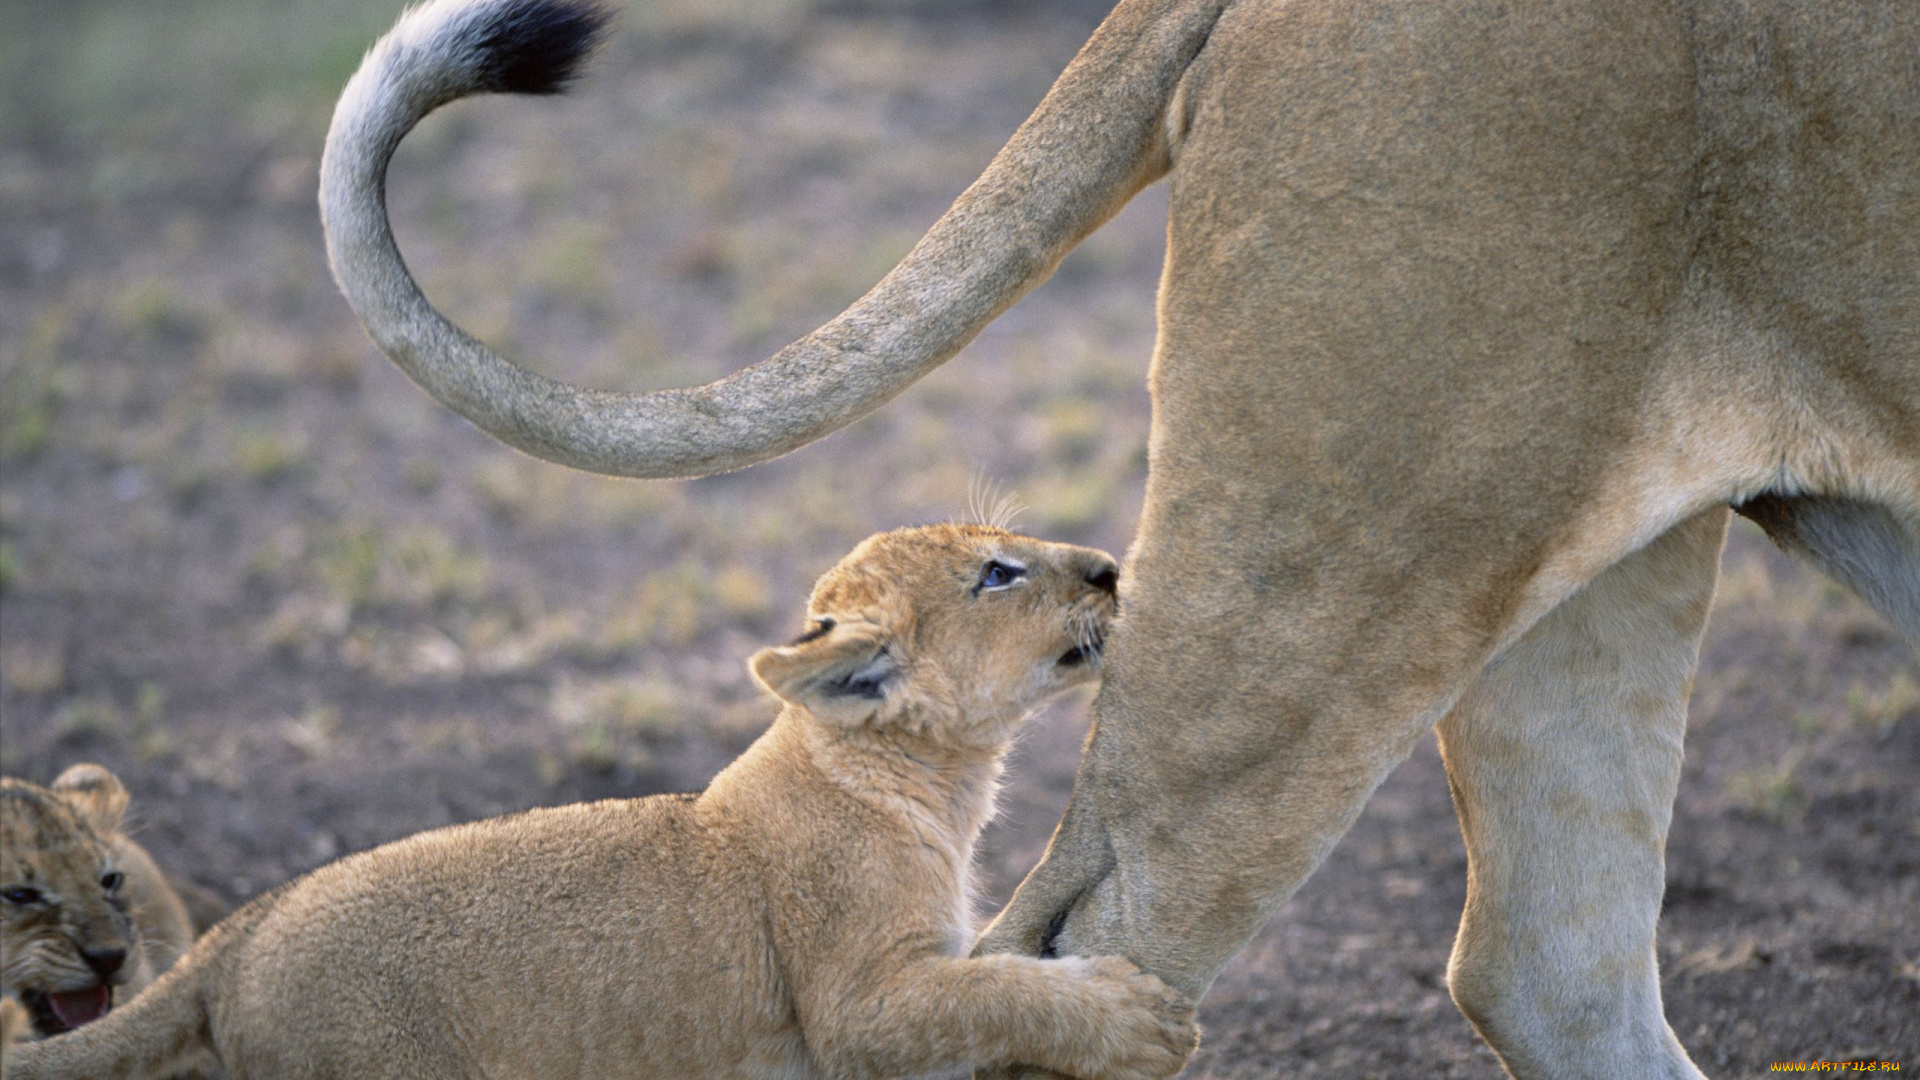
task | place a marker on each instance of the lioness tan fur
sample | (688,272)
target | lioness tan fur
(806,916)
(1476,319)
(86,919)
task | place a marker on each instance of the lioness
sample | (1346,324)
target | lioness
(806,916)
(86,918)
(1476,319)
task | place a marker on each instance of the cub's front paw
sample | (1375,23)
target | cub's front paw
(1153,1033)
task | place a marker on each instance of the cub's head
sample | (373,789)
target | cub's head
(66,935)
(956,632)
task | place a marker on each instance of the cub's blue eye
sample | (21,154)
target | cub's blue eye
(21,897)
(111,880)
(997,574)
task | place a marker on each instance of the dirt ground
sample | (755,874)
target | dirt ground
(301,610)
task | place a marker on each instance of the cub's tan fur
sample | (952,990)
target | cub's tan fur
(1476,319)
(83,909)
(806,916)
(15,1024)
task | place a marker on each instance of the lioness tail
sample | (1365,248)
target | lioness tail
(1097,139)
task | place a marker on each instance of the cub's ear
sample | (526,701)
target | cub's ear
(96,793)
(839,671)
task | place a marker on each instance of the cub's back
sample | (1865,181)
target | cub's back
(571,920)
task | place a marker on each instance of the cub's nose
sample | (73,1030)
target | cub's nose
(104,962)
(1105,576)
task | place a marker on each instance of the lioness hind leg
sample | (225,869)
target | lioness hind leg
(1862,545)
(1564,757)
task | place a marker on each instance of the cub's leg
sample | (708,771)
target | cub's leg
(1091,1017)
(1564,756)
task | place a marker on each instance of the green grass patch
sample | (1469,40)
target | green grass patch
(134,68)
(1772,792)
(1881,709)
(34,384)
(263,455)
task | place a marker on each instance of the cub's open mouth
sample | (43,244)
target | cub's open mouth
(1085,651)
(55,1013)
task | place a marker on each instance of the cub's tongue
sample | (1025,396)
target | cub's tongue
(81,1006)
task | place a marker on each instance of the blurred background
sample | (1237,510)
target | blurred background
(302,610)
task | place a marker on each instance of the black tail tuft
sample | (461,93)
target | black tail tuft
(534,46)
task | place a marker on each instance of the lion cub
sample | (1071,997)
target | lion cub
(806,916)
(86,919)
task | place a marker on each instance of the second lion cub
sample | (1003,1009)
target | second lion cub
(806,916)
